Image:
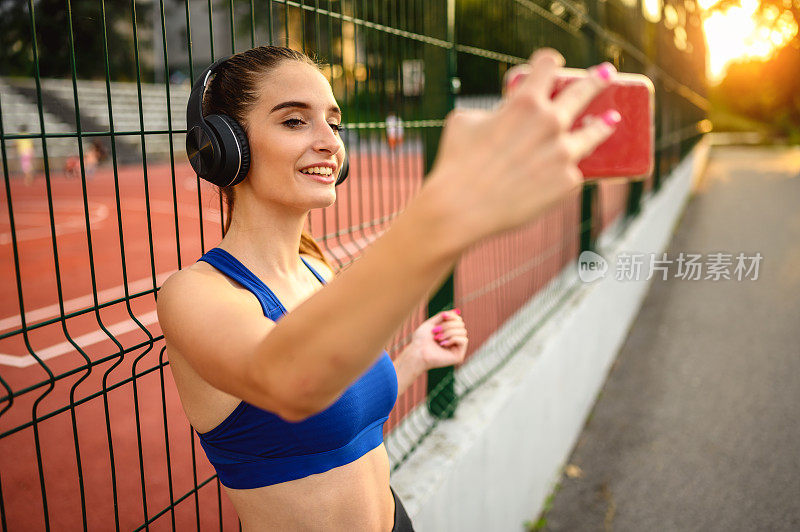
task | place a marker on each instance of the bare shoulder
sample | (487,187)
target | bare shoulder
(320,266)
(199,272)
(187,295)
(218,330)
(196,281)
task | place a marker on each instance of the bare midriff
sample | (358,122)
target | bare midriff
(355,496)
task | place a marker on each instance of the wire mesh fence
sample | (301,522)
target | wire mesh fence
(91,428)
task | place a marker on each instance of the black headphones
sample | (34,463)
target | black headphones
(216,144)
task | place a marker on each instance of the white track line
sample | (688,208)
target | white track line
(22,361)
(71,305)
(74,224)
(83,341)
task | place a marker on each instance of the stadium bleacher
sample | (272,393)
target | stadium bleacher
(18,110)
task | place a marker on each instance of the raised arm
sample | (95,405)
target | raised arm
(494,171)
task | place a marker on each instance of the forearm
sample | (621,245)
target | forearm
(316,351)
(408,367)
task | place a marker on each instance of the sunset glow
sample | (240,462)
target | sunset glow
(740,33)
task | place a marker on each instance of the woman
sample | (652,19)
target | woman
(288,387)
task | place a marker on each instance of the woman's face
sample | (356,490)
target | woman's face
(295,148)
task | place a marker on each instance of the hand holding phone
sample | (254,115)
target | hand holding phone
(629,151)
(505,166)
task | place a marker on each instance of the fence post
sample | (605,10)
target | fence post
(587,219)
(635,189)
(589,200)
(442,399)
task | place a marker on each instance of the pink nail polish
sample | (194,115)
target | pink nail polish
(605,70)
(458,311)
(436,329)
(611,117)
(438,337)
(513,80)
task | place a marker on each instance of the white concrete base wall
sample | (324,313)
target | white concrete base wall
(491,467)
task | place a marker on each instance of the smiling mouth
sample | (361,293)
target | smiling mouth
(324,171)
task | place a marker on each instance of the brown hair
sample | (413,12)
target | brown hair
(233,91)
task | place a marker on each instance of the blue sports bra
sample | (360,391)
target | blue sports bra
(254,447)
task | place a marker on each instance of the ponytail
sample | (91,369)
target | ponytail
(309,246)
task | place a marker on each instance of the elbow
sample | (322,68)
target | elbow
(293,393)
(294,416)
(294,413)
(291,401)
(304,402)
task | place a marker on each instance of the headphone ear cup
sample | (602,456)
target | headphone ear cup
(244,146)
(343,173)
(235,156)
(203,151)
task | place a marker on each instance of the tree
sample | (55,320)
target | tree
(791,6)
(52,19)
(769,90)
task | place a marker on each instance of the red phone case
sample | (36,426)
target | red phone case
(629,151)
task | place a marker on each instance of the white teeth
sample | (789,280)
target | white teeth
(320,170)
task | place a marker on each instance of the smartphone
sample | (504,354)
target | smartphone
(630,151)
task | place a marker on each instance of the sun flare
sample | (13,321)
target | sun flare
(740,32)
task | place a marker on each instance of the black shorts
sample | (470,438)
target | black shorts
(402,523)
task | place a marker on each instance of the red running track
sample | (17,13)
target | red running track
(84,432)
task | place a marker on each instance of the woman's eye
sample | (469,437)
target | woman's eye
(293,122)
(336,127)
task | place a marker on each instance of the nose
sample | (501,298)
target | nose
(326,141)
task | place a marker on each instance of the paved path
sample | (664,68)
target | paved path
(698,425)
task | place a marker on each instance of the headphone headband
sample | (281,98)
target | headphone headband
(194,109)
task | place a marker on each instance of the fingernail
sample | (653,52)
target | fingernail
(513,80)
(457,311)
(438,337)
(605,70)
(436,329)
(611,117)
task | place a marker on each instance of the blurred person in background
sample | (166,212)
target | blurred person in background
(394,131)
(25,153)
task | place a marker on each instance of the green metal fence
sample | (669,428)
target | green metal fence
(91,428)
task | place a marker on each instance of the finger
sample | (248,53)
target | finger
(577,95)
(514,75)
(454,340)
(595,131)
(450,332)
(449,325)
(449,329)
(454,328)
(454,314)
(544,64)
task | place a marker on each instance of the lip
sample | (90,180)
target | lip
(321,179)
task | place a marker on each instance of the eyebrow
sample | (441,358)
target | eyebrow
(302,105)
